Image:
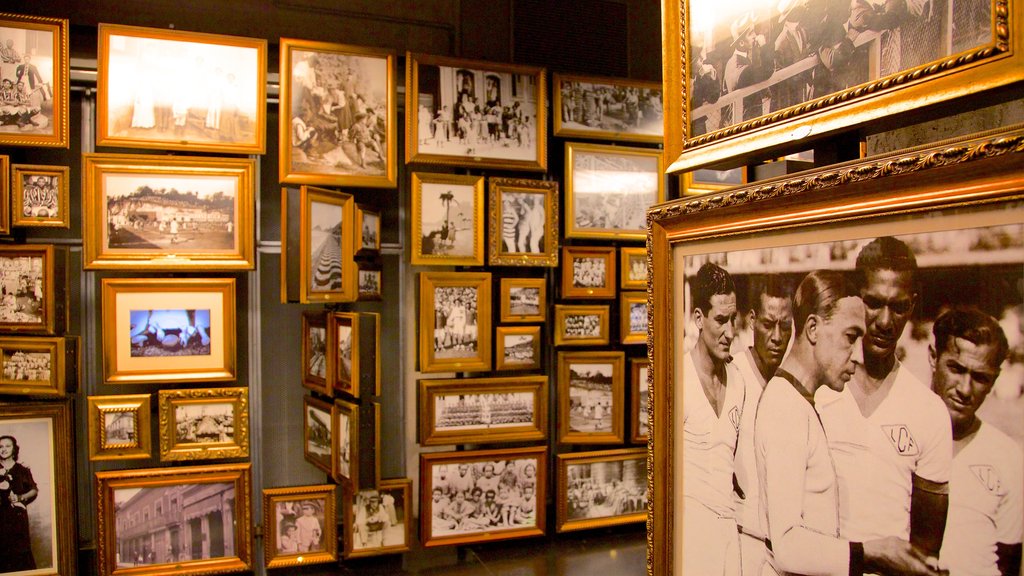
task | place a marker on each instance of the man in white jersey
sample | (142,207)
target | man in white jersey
(983,532)
(889,437)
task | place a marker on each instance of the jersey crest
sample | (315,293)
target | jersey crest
(901,439)
(989,478)
(734,417)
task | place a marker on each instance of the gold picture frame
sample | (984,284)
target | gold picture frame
(625,469)
(523,300)
(705,181)
(367,230)
(370,281)
(321,232)
(346,466)
(316,352)
(44,202)
(394,496)
(590,396)
(455,345)
(517,348)
(633,267)
(203,424)
(639,396)
(119,427)
(34,284)
(434,230)
(516,236)
(582,325)
(440,425)
(318,433)
(5,195)
(282,507)
(38,366)
(607,108)
(588,272)
(633,318)
(45,39)
(343,329)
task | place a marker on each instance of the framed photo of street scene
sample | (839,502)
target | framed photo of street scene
(318,433)
(39,196)
(633,267)
(119,427)
(517,347)
(447,220)
(39,366)
(315,354)
(177,90)
(300,524)
(174,213)
(204,424)
(895,267)
(523,300)
(455,321)
(475,114)
(368,228)
(582,325)
(33,289)
(317,246)
(34,67)
(591,394)
(607,108)
(588,272)
(380,519)
(468,410)
(633,318)
(600,489)
(640,397)
(339,115)
(524,222)
(168,330)
(216,499)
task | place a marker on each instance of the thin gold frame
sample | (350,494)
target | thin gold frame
(310,194)
(626,256)
(48,323)
(273,496)
(565,361)
(314,402)
(606,291)
(506,303)
(418,258)
(18,174)
(430,389)
(498,255)
(563,311)
(626,299)
(392,484)
(171,450)
(5,195)
(635,365)
(499,355)
(136,404)
(61,72)
(334,321)
(481,361)
(316,319)
(563,523)
(57,347)
(557,80)
(689,186)
(357,241)
(350,480)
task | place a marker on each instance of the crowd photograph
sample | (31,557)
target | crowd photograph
(484,410)
(589,273)
(468,498)
(169,332)
(611,107)
(21,289)
(613,191)
(26,81)
(590,397)
(582,326)
(455,322)
(606,489)
(26,366)
(204,423)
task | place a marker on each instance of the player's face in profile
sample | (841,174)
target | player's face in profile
(963,376)
(889,300)
(838,348)
(773,328)
(718,326)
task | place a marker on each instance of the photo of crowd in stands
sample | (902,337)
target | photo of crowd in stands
(607,108)
(609,189)
(28,81)
(380,519)
(27,365)
(602,488)
(169,332)
(21,289)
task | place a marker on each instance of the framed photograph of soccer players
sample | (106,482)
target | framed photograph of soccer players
(300,526)
(369,276)
(40,196)
(204,424)
(34,71)
(38,366)
(518,347)
(174,213)
(500,496)
(523,300)
(447,220)
(475,114)
(608,190)
(317,246)
(368,228)
(315,352)
(176,90)
(168,330)
(607,108)
(588,272)
(599,489)
(633,317)
(338,115)
(640,395)
(319,431)
(468,410)
(199,516)
(524,222)
(582,325)
(590,397)
(633,267)
(380,519)
(455,321)
(33,298)
(879,274)
(119,427)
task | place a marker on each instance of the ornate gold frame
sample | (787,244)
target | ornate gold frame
(626,336)
(557,80)
(273,496)
(565,361)
(498,255)
(58,348)
(563,523)
(18,173)
(627,255)
(173,450)
(479,362)
(635,366)
(506,304)
(136,404)
(499,347)
(417,257)
(607,291)
(430,389)
(562,313)
(61,72)
(389,485)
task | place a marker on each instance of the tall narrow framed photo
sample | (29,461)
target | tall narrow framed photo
(468,410)
(475,114)
(39,196)
(633,267)
(640,397)
(607,108)
(582,325)
(344,349)
(176,90)
(346,465)
(588,272)
(301,526)
(524,222)
(204,424)
(455,321)
(518,347)
(600,489)
(5,195)
(38,366)
(119,427)
(447,220)
(33,289)
(380,519)
(633,317)
(590,397)
(318,433)
(316,358)
(34,67)
(523,300)
(317,246)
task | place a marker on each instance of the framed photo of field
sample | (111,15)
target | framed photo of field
(455,321)
(467,410)
(204,424)
(301,526)
(598,489)
(633,268)
(317,246)
(582,325)
(633,318)
(34,68)
(591,395)
(607,108)
(38,366)
(523,300)
(447,220)
(40,196)
(524,222)
(119,427)
(380,519)
(588,272)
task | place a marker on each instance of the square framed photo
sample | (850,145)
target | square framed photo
(346,465)
(339,115)
(369,281)
(518,347)
(633,268)
(33,295)
(607,108)
(524,222)
(34,67)
(455,321)
(168,330)
(380,519)
(482,495)
(5,195)
(319,431)
(582,325)
(368,228)
(640,397)
(475,114)
(38,366)
(633,318)
(315,352)
(40,196)
(447,220)
(214,535)
(300,524)
(317,246)
(204,424)
(119,427)
(588,272)
(600,489)
(468,410)
(177,90)
(523,300)
(590,397)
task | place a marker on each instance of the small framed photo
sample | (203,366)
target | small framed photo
(608,190)
(318,433)
(32,289)
(447,220)
(380,519)
(368,228)
(149,93)
(168,330)
(40,196)
(38,366)
(633,317)
(518,347)
(523,300)
(482,495)
(315,355)
(206,507)
(204,424)
(317,252)
(582,325)
(5,196)
(475,114)
(600,489)
(35,69)
(346,465)
(369,281)
(588,272)
(455,321)
(474,410)
(590,397)
(640,393)
(338,115)
(608,108)
(633,268)
(119,427)
(524,222)
(705,180)
(300,526)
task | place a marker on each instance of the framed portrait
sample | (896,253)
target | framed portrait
(368,228)
(482,495)
(5,196)
(600,489)
(300,526)
(590,397)
(607,108)
(168,330)
(471,410)
(214,537)
(588,272)
(455,321)
(447,220)
(608,190)
(582,325)
(640,396)
(380,519)
(339,115)
(633,267)
(119,427)
(33,297)
(319,431)
(204,424)
(346,465)
(475,114)
(523,300)
(369,281)
(518,347)
(834,231)
(38,366)
(315,352)
(35,66)
(317,246)
(177,90)
(145,212)
(633,318)
(40,196)
(524,222)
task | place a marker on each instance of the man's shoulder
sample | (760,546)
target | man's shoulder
(1000,445)
(910,393)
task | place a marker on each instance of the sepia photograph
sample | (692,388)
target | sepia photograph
(582,325)
(456,328)
(590,397)
(22,289)
(588,272)
(633,268)
(486,410)
(608,108)
(368,224)
(327,266)
(343,338)
(523,300)
(325,256)
(26,366)
(455,321)
(633,318)
(598,489)
(466,410)
(204,423)
(33,81)
(519,347)
(641,395)
(346,467)
(318,433)
(161,333)
(448,219)
(40,196)
(380,519)
(524,222)
(119,427)
(300,524)
(38,366)
(369,284)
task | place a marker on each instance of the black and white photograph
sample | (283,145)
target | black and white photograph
(344,351)
(638,317)
(326,261)
(449,220)
(300,526)
(483,410)
(582,326)
(40,198)
(369,230)
(380,519)
(589,272)
(634,268)
(524,222)
(472,498)
(642,396)
(204,423)
(28,81)
(604,108)
(120,428)
(456,322)
(345,440)
(606,489)
(161,333)
(609,189)
(318,435)
(590,397)
(519,350)
(28,507)
(524,300)
(316,359)
(369,284)
(21,289)
(26,365)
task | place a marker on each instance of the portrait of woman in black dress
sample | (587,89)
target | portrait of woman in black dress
(17,491)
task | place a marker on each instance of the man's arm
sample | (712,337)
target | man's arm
(929,502)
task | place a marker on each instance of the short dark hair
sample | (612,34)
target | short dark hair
(770,285)
(818,294)
(17,449)
(886,253)
(710,280)
(972,325)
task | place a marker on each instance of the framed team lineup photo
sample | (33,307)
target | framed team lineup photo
(40,196)
(517,347)
(462,411)
(640,398)
(177,90)
(582,325)
(524,222)
(523,300)
(300,526)
(34,69)
(607,108)
(380,519)
(633,268)
(900,283)
(599,489)
(591,393)
(317,239)
(588,272)
(455,321)
(38,366)
(31,296)
(475,114)
(340,128)
(203,423)
(447,220)
(119,427)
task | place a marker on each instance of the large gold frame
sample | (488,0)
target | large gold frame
(560,130)
(273,496)
(618,362)
(61,72)
(58,348)
(563,311)
(498,256)
(563,523)
(18,218)
(389,485)
(136,404)
(172,450)
(481,361)
(308,195)
(430,389)
(417,257)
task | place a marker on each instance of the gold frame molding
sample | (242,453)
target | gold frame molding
(430,389)
(58,348)
(172,450)
(618,362)
(626,335)
(498,256)
(481,281)
(563,311)
(61,73)
(390,485)
(18,173)
(626,255)
(273,496)
(49,321)
(137,404)
(563,523)
(607,291)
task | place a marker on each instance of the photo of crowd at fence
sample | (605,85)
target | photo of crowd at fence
(523,222)
(606,489)
(589,272)
(590,397)
(40,196)
(204,423)
(483,410)
(612,191)
(447,219)
(169,332)
(26,81)
(611,108)
(455,322)
(120,428)
(300,526)
(476,497)
(520,349)
(325,260)
(524,301)
(21,289)
(379,518)
(26,365)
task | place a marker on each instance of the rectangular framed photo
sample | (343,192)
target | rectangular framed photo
(380,519)
(890,257)
(455,321)
(199,516)
(588,272)
(318,431)
(300,526)
(633,268)
(582,325)
(523,300)
(600,489)
(177,90)
(608,190)
(518,347)
(5,196)
(368,228)
(32,289)
(640,397)
(369,281)
(34,69)
(704,180)
(315,352)
(607,108)
(39,196)
(633,318)
(482,495)
(204,424)
(317,246)
(524,222)
(471,410)
(447,220)
(38,366)
(346,465)
(590,397)
(338,123)
(344,349)
(144,212)
(168,330)
(119,427)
